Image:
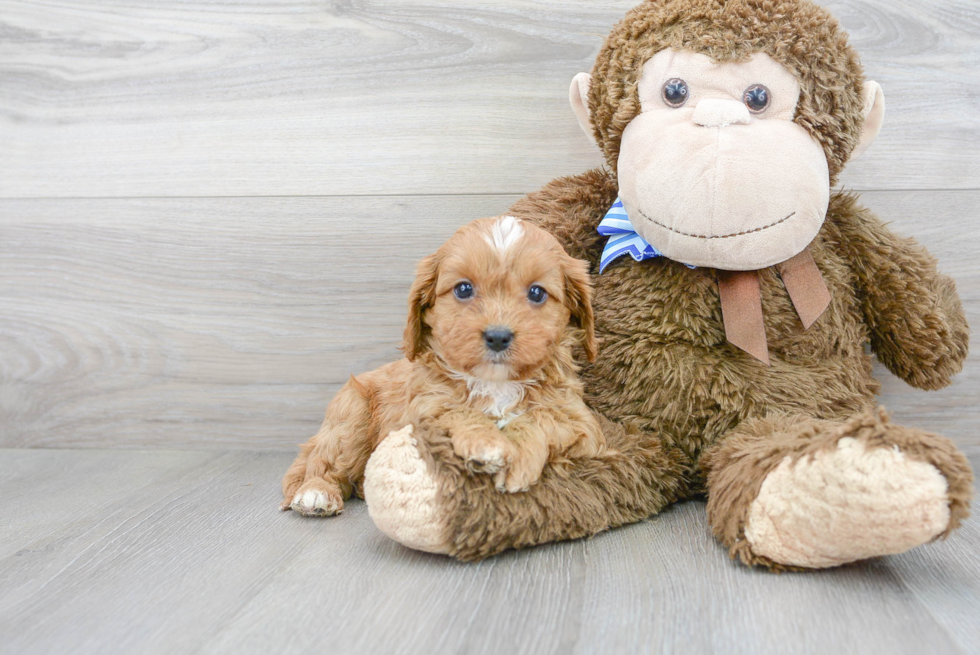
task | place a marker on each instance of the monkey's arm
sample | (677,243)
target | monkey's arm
(918,329)
(570,208)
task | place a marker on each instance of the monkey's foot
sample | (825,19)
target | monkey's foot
(845,505)
(837,493)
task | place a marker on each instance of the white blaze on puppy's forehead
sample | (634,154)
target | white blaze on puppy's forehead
(504,233)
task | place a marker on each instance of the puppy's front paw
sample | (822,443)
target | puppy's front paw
(518,477)
(490,460)
(317,500)
(483,453)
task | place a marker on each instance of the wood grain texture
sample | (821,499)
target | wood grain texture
(167,552)
(174,308)
(203,323)
(208,98)
(944,223)
(209,321)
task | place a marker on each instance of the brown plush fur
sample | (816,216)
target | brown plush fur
(448,363)
(666,379)
(636,476)
(665,363)
(665,368)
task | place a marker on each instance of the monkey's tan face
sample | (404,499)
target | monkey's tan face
(713,171)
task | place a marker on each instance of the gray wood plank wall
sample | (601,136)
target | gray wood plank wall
(210,211)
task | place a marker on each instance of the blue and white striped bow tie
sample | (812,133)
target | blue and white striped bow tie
(622,238)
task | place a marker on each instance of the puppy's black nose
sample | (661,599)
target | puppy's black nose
(498,338)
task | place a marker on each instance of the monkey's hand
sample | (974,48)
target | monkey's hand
(915,317)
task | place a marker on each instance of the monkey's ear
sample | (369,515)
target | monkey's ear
(874,115)
(578,96)
(578,298)
(421,296)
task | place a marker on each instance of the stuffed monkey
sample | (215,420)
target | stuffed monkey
(735,291)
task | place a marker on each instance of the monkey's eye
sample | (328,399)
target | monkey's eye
(536,294)
(463,291)
(756,98)
(675,92)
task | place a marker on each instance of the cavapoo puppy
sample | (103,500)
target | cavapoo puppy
(493,316)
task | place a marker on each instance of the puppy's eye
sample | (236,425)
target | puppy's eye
(463,290)
(756,98)
(536,294)
(675,92)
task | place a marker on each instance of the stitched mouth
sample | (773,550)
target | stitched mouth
(718,236)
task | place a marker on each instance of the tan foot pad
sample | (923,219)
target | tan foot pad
(401,495)
(846,505)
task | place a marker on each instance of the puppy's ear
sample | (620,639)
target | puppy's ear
(578,298)
(421,296)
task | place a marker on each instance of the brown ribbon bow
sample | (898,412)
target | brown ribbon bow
(741,301)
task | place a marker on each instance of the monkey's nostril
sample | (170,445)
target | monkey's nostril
(498,339)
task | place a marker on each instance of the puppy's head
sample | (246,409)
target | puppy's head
(496,299)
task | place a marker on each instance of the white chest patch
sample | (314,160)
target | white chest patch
(502,422)
(502,395)
(506,231)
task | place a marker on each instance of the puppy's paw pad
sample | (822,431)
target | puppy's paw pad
(513,486)
(517,479)
(488,460)
(316,503)
(503,487)
(507,481)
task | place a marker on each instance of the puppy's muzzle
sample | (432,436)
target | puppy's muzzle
(498,339)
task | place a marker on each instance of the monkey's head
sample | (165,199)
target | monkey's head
(727,122)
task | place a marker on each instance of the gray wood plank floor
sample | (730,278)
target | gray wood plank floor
(107,551)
